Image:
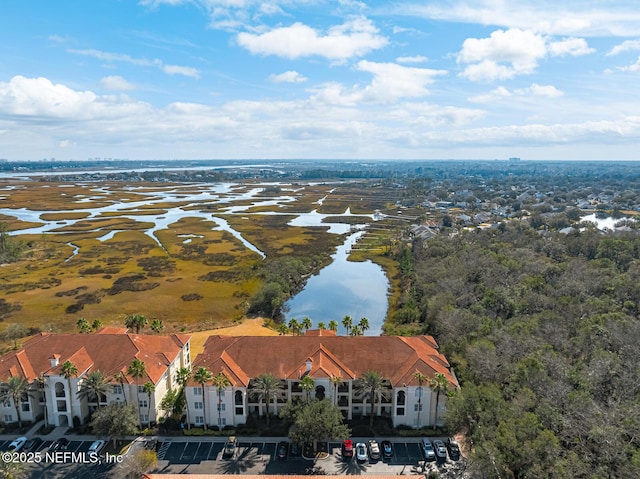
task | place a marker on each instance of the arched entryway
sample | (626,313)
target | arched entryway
(320,393)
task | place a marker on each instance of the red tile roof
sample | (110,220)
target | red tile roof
(396,358)
(110,353)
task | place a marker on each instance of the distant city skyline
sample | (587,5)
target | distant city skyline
(346,79)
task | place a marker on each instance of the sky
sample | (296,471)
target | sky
(307,79)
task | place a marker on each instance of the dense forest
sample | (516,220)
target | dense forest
(542,329)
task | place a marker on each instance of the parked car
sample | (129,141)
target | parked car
(453,448)
(32,444)
(427,448)
(96,446)
(347,449)
(282,451)
(229,447)
(387,449)
(361,452)
(17,444)
(441,450)
(374,450)
(59,444)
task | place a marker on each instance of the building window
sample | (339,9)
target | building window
(117,389)
(6,403)
(220,394)
(199,419)
(143,403)
(400,398)
(144,418)
(238,398)
(419,392)
(221,407)
(400,411)
(197,405)
(417,406)
(197,391)
(222,422)
(26,407)
(8,418)
(239,411)
(140,389)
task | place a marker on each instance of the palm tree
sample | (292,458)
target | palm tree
(265,387)
(83,325)
(335,380)
(321,326)
(94,385)
(294,326)
(149,388)
(355,331)
(372,383)
(283,329)
(333,325)
(439,383)
(306,324)
(363,324)
(120,377)
(203,376)
(157,326)
(97,324)
(421,378)
(40,385)
(135,321)
(307,384)
(137,370)
(220,382)
(347,322)
(183,375)
(15,388)
(69,369)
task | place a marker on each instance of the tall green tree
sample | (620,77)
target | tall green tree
(69,370)
(137,370)
(15,389)
(333,325)
(94,386)
(116,420)
(149,388)
(203,376)
(157,326)
(306,324)
(363,324)
(294,326)
(220,382)
(120,376)
(336,380)
(83,326)
(321,325)
(135,321)
(318,421)
(183,375)
(266,387)
(371,384)
(307,384)
(440,384)
(347,322)
(421,378)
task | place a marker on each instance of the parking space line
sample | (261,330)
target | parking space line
(163,449)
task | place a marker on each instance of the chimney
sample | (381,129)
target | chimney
(54,360)
(308,363)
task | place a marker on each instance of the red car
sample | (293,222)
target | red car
(347,449)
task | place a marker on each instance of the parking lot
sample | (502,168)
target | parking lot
(260,457)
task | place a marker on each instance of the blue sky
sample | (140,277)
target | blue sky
(172,79)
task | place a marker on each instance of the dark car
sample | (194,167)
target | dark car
(387,449)
(347,449)
(295,449)
(453,448)
(32,444)
(283,450)
(441,450)
(229,447)
(59,444)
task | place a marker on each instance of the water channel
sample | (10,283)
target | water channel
(357,289)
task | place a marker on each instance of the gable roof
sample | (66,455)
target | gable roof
(396,358)
(110,353)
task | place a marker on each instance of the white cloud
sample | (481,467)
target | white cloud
(502,93)
(626,46)
(352,39)
(414,59)
(288,77)
(124,58)
(570,46)
(116,83)
(550,17)
(634,67)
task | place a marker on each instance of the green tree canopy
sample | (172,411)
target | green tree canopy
(318,421)
(115,420)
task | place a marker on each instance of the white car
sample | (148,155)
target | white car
(96,446)
(17,444)
(361,452)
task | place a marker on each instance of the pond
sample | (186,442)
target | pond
(357,289)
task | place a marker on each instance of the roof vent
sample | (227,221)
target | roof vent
(54,360)
(308,363)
